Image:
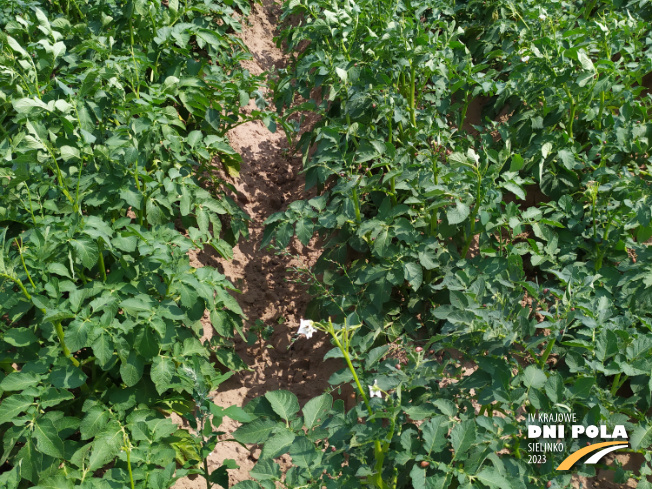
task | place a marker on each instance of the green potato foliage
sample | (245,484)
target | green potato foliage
(110,115)
(510,239)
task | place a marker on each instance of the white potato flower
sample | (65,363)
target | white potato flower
(306,328)
(374,390)
(525,59)
(542,17)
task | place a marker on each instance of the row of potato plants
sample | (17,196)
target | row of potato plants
(502,256)
(110,114)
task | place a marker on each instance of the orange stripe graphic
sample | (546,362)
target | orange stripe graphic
(574,457)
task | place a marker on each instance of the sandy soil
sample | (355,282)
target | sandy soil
(270,179)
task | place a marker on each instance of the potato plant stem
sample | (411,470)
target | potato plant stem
(26,83)
(413,116)
(379,453)
(594,198)
(201,420)
(81,15)
(356,205)
(128,452)
(433,223)
(465,108)
(602,250)
(392,181)
(434,215)
(62,184)
(599,118)
(76,204)
(206,473)
(22,259)
(100,259)
(18,283)
(57,325)
(616,384)
(134,87)
(136,176)
(588,9)
(546,353)
(59,329)
(572,112)
(347,358)
(435,171)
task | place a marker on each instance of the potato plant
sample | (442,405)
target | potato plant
(110,114)
(513,242)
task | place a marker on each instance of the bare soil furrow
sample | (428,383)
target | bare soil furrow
(270,179)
